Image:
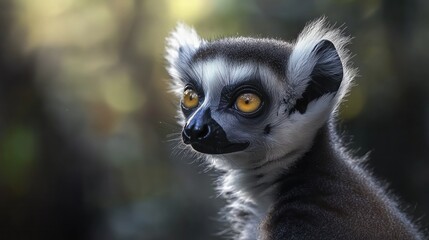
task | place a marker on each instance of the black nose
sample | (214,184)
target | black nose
(199,128)
(196,133)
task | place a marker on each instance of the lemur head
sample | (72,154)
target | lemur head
(249,101)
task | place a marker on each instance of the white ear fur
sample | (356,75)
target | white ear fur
(181,45)
(303,58)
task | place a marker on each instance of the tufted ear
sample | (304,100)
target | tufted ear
(181,45)
(319,67)
(325,76)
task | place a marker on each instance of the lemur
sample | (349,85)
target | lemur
(262,111)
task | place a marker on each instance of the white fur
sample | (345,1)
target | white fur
(181,45)
(217,72)
(297,132)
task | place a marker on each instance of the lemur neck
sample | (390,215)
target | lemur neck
(257,184)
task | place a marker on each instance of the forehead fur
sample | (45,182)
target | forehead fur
(268,52)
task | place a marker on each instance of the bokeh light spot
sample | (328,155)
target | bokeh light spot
(189,9)
(120,93)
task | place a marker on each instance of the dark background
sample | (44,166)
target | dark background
(85,114)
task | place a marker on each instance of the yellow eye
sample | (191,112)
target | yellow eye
(248,102)
(190,98)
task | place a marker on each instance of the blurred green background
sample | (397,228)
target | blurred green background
(85,114)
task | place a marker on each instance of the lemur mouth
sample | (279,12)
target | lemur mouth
(219,148)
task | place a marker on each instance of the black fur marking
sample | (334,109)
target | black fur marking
(326,76)
(267,129)
(270,52)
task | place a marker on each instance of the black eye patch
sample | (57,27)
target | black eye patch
(194,85)
(231,92)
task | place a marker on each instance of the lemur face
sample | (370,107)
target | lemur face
(225,105)
(260,97)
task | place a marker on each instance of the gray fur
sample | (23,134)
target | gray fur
(267,51)
(294,181)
